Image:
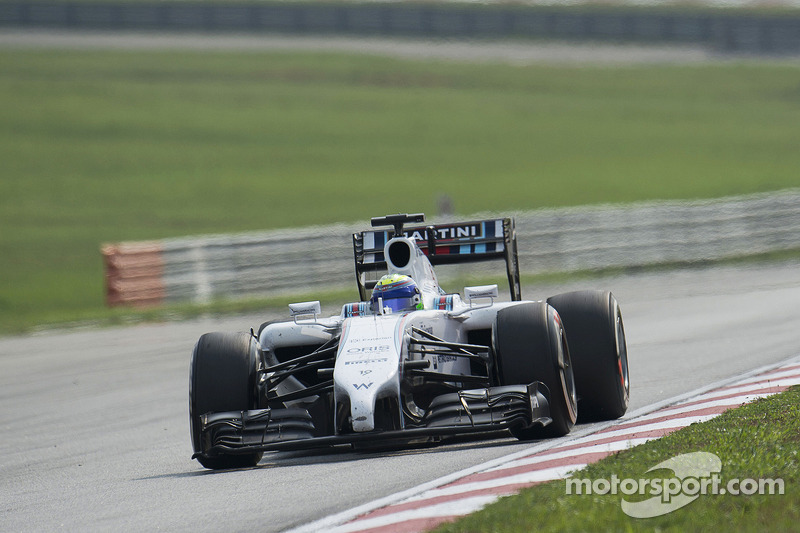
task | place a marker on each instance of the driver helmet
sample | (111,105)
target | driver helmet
(399,293)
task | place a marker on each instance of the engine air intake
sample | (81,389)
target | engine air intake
(399,253)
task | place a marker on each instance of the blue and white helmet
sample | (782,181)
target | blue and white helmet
(398,292)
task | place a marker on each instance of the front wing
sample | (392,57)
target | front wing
(458,413)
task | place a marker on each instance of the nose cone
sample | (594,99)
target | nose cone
(367,366)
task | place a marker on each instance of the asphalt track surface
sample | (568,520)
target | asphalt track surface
(95,433)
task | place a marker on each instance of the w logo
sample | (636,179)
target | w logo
(364,386)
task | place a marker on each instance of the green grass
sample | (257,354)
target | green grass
(757,441)
(106,146)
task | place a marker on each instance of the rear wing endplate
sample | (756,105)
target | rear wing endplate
(444,244)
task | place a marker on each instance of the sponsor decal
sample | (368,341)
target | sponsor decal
(305,308)
(355,309)
(368,349)
(480,292)
(366,361)
(444,303)
(426,329)
(364,386)
(371,340)
(448,233)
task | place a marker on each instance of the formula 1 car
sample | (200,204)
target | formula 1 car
(410,362)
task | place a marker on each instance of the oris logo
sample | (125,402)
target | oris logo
(369,350)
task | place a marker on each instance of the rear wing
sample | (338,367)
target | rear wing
(443,244)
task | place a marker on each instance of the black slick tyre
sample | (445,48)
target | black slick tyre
(222,377)
(596,338)
(528,344)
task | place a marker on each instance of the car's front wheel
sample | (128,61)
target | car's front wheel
(529,345)
(222,377)
(596,338)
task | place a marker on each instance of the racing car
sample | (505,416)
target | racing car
(410,362)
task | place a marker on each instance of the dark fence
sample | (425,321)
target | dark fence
(725,31)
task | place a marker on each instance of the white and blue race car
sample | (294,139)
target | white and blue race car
(410,362)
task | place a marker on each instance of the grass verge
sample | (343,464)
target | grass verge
(756,441)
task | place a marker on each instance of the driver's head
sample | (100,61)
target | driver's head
(398,292)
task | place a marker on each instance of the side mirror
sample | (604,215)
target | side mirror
(481,291)
(306,309)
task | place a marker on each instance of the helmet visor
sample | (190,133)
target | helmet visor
(401,304)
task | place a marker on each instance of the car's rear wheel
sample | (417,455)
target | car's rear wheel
(529,345)
(222,377)
(596,338)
